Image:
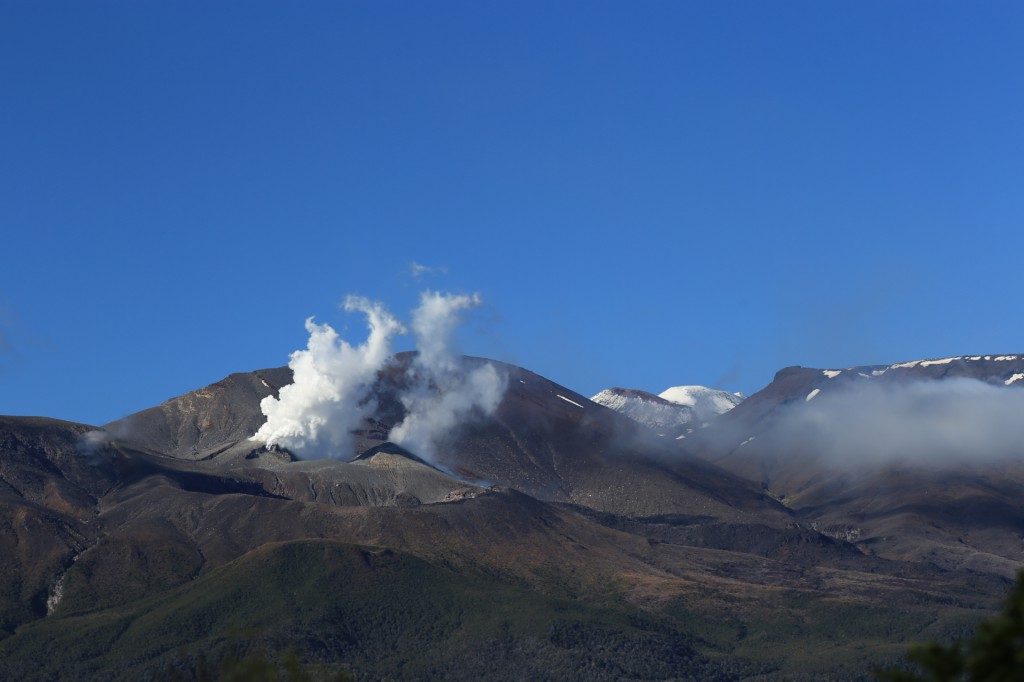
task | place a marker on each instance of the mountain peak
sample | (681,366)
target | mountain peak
(671,412)
(706,402)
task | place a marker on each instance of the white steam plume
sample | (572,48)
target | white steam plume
(93,445)
(441,393)
(315,415)
(956,420)
(434,323)
(331,396)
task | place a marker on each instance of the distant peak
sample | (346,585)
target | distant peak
(627,393)
(673,409)
(710,401)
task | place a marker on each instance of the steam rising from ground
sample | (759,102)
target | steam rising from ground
(331,396)
(922,422)
(93,445)
(441,394)
(315,415)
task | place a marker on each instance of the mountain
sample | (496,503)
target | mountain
(544,439)
(554,538)
(674,413)
(49,489)
(794,384)
(705,403)
(200,423)
(646,408)
(884,478)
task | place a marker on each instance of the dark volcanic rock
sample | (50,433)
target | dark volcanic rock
(389,448)
(203,422)
(54,464)
(51,479)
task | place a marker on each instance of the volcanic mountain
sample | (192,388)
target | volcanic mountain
(553,539)
(674,413)
(544,440)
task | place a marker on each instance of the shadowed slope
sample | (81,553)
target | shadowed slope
(966,512)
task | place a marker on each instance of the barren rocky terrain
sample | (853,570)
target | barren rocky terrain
(553,539)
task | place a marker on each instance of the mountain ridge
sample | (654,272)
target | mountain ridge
(551,505)
(950,511)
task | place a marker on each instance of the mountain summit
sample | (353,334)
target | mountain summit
(675,411)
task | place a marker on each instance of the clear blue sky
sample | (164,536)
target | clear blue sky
(645,193)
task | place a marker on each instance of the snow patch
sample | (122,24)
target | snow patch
(943,361)
(570,401)
(1015,377)
(946,361)
(810,396)
(831,373)
(264,382)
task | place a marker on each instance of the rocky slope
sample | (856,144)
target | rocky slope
(544,439)
(554,531)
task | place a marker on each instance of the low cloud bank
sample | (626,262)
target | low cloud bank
(928,421)
(331,396)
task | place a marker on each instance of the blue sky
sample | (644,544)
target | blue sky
(645,194)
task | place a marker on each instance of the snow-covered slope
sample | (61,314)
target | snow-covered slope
(673,410)
(704,402)
(646,408)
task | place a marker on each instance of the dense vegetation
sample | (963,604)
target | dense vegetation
(995,653)
(374,613)
(336,609)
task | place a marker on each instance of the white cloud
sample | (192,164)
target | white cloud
(929,421)
(418,270)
